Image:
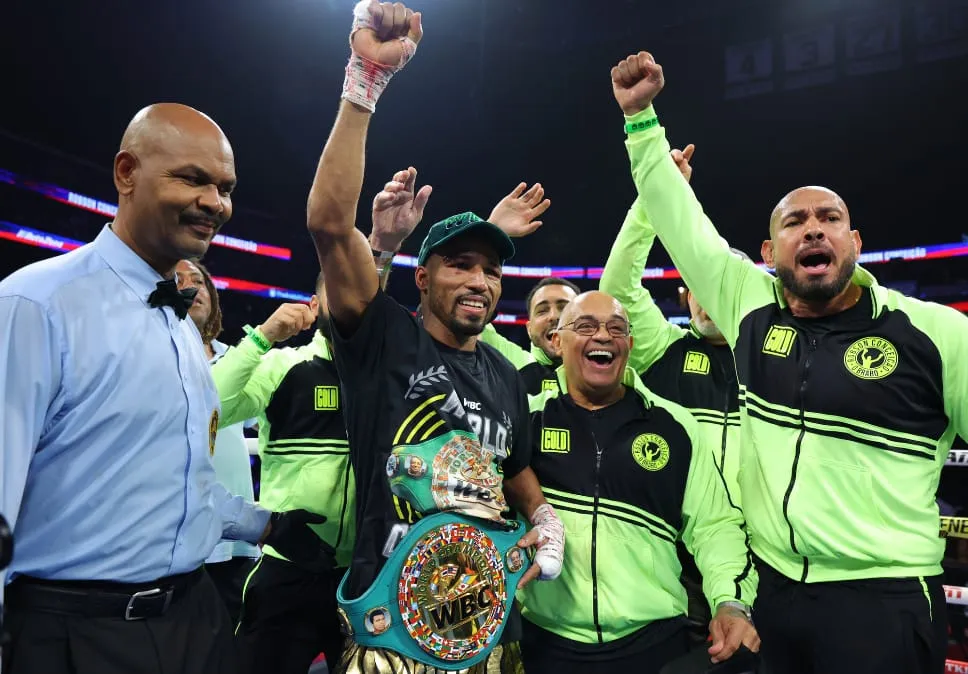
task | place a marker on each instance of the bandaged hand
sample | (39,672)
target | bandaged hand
(383,39)
(548,538)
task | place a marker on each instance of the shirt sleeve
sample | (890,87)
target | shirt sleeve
(519,457)
(241,520)
(246,379)
(652,333)
(361,358)
(514,353)
(727,286)
(952,325)
(714,530)
(30,372)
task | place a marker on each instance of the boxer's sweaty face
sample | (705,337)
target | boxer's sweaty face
(463,284)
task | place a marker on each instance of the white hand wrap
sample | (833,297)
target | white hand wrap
(365,80)
(551,541)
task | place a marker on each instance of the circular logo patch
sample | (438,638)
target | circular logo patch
(871,358)
(514,559)
(377,621)
(452,591)
(650,451)
(212,432)
(344,623)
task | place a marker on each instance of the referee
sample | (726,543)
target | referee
(108,414)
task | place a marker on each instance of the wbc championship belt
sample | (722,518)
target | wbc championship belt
(444,595)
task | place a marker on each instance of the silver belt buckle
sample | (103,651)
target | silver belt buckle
(153,592)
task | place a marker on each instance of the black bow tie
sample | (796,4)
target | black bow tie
(168,294)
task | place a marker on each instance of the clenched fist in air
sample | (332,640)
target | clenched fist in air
(636,81)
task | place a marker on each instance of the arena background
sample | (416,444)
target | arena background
(863,96)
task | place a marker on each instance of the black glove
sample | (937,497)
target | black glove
(290,535)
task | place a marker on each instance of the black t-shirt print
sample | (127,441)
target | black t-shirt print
(402,388)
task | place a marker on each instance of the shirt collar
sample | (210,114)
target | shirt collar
(219,348)
(630,378)
(128,265)
(539,355)
(861,277)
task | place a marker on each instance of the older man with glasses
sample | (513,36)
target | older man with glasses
(629,474)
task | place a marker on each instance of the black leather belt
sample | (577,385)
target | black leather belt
(135,601)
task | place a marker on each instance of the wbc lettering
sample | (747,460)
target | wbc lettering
(450,614)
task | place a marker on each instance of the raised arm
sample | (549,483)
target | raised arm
(383,39)
(517,215)
(397,210)
(726,286)
(622,279)
(248,374)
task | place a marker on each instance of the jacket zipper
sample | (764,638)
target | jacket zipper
(342,512)
(796,456)
(722,456)
(598,466)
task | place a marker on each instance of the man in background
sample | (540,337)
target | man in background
(289,611)
(516,214)
(231,561)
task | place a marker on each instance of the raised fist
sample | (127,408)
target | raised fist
(288,320)
(381,30)
(636,81)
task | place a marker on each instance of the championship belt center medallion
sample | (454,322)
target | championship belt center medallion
(453,591)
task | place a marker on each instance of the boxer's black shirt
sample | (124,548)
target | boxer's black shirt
(402,387)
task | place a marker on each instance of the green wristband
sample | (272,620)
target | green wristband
(643,125)
(258,338)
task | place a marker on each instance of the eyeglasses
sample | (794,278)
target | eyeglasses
(586,327)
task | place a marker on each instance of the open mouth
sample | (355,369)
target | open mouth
(815,262)
(600,358)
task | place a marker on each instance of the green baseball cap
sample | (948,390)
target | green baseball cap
(462,223)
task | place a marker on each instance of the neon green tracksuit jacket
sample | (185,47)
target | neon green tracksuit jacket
(846,422)
(625,500)
(295,395)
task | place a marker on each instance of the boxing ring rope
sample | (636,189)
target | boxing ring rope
(957,457)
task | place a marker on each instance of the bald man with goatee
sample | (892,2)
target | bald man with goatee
(108,418)
(851,395)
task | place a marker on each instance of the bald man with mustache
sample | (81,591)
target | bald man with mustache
(851,395)
(108,418)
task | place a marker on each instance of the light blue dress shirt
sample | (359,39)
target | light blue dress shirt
(233,469)
(105,418)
